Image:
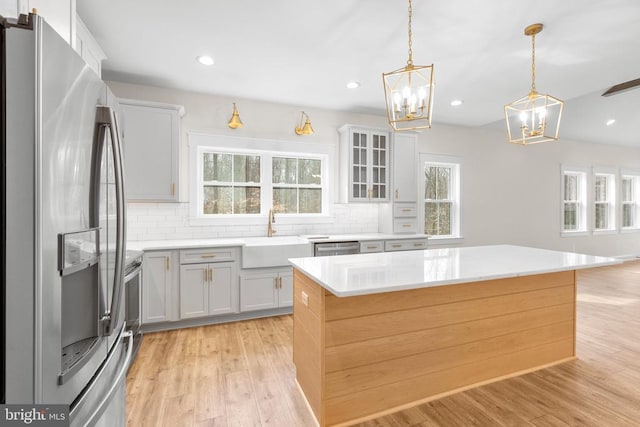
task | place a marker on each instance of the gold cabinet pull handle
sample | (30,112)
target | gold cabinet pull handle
(418,244)
(396,193)
(275,281)
(406,210)
(173,189)
(208,256)
(372,247)
(206,278)
(211,275)
(280,282)
(166,259)
(406,225)
(396,246)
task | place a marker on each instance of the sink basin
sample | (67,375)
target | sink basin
(274,251)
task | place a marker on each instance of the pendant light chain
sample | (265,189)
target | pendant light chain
(410,60)
(533,63)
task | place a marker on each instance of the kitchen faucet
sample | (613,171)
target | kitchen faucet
(272,219)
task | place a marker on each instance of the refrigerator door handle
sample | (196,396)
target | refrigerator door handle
(107,118)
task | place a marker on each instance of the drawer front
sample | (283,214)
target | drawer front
(405,245)
(368,247)
(193,256)
(409,225)
(401,210)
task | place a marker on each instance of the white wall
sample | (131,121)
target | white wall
(510,193)
(210,114)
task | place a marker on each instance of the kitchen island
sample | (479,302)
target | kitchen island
(377,333)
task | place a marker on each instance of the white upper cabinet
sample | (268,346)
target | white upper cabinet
(88,48)
(151,150)
(404,167)
(364,164)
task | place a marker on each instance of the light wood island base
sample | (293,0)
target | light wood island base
(361,357)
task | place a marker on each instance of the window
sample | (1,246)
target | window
(629,201)
(297,185)
(604,201)
(251,182)
(230,183)
(574,195)
(441,199)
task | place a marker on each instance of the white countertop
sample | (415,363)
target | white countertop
(152,245)
(362,274)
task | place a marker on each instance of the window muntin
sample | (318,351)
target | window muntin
(297,185)
(441,204)
(604,201)
(574,201)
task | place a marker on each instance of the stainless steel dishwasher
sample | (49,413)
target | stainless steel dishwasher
(336,248)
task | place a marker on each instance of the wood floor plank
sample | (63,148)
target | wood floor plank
(207,376)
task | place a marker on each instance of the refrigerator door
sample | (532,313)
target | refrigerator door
(53,114)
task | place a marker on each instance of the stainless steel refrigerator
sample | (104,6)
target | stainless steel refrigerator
(63,230)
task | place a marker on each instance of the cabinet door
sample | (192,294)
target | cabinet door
(404,168)
(360,181)
(194,290)
(156,287)
(151,137)
(221,296)
(379,166)
(285,294)
(258,291)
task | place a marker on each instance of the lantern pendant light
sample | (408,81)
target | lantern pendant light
(536,117)
(408,92)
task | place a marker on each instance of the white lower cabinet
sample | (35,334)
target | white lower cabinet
(207,290)
(262,289)
(158,280)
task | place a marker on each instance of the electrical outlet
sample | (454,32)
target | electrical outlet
(305,299)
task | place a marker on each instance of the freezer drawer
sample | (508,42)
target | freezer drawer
(102,401)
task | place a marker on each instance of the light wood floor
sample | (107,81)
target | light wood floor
(241,374)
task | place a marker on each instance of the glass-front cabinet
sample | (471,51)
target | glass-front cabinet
(364,164)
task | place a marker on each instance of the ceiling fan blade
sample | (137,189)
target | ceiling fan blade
(622,87)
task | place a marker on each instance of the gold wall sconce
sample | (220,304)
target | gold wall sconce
(234,121)
(305,129)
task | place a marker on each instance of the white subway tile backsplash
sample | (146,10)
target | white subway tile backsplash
(162,221)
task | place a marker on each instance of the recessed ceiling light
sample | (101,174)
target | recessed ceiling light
(456,102)
(205,60)
(610,122)
(353,85)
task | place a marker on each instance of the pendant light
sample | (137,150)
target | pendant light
(536,117)
(234,121)
(408,92)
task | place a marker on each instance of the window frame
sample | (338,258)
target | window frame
(612,199)
(202,142)
(232,184)
(634,175)
(297,185)
(584,225)
(455,196)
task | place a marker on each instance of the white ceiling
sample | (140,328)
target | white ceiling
(303,52)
